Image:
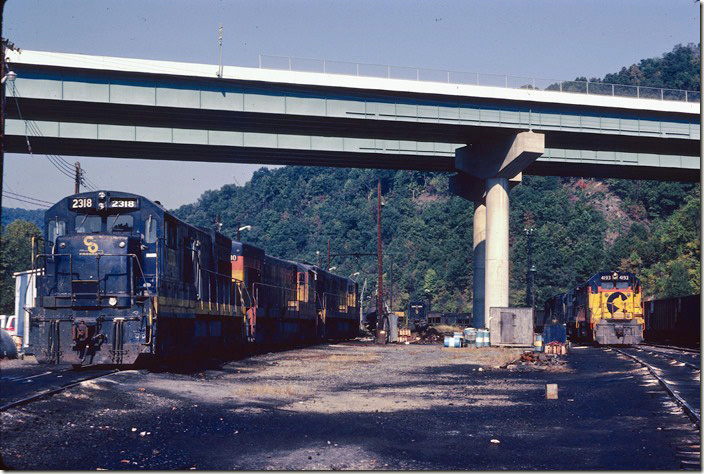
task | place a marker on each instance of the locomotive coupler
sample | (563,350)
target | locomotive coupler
(80,334)
(618,329)
(86,338)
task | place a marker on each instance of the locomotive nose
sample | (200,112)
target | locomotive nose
(100,270)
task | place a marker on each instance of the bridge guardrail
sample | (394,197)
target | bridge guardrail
(289,63)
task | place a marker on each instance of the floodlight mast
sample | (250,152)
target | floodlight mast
(219,73)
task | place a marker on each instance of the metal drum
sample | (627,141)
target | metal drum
(452,341)
(482,338)
(538,342)
(470,337)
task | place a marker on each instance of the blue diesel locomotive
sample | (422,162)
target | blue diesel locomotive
(122,278)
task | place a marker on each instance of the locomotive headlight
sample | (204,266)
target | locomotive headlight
(121,245)
(101,195)
(101,205)
(62,245)
(112,301)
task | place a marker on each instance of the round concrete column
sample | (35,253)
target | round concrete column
(478,264)
(496,274)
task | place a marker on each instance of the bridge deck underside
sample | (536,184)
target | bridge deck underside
(154,116)
(544,166)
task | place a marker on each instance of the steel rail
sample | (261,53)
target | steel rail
(686,407)
(674,348)
(29,377)
(53,391)
(668,355)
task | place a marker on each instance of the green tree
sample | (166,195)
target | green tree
(15,256)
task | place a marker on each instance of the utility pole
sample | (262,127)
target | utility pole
(328,268)
(380,288)
(530,273)
(77,183)
(2,112)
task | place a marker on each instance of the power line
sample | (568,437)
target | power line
(25,201)
(29,197)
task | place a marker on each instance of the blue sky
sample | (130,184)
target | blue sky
(556,39)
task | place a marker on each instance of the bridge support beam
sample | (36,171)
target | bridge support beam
(487,171)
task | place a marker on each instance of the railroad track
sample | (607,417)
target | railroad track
(19,392)
(687,357)
(681,381)
(675,348)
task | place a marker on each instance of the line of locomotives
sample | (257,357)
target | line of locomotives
(122,279)
(606,309)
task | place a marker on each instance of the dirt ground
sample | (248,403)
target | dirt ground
(356,406)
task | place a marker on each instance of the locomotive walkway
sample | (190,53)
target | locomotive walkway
(361,406)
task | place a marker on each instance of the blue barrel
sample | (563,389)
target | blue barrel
(538,342)
(482,338)
(470,337)
(452,341)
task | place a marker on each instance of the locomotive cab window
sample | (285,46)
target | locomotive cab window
(607,285)
(118,223)
(57,228)
(87,224)
(622,284)
(150,225)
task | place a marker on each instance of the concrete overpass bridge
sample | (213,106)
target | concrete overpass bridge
(115,107)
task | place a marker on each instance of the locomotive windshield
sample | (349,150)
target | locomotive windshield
(87,224)
(119,223)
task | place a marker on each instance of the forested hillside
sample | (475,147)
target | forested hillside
(581,226)
(10,214)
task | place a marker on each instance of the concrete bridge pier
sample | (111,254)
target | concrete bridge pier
(486,172)
(496,284)
(478,259)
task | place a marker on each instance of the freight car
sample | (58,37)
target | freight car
(674,320)
(124,279)
(606,309)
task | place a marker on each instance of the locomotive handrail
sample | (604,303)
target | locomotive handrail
(224,277)
(283,289)
(97,257)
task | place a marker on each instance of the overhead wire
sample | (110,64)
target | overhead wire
(29,197)
(4,195)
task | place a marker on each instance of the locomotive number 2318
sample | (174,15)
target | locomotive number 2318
(80,203)
(124,203)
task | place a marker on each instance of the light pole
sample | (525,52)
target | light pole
(380,336)
(245,227)
(10,76)
(530,273)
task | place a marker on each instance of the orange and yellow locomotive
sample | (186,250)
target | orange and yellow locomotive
(606,309)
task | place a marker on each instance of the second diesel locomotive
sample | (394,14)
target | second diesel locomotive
(122,278)
(606,309)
